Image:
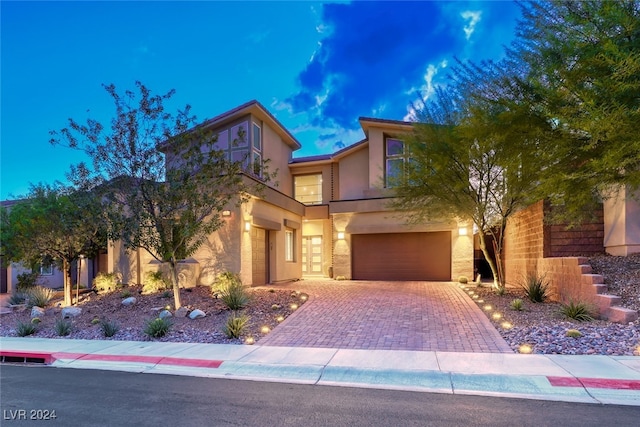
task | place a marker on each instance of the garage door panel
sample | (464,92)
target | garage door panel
(401,256)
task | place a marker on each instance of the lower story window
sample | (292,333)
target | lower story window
(289,245)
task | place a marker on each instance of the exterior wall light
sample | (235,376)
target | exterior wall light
(226,213)
(341,235)
(462,231)
(247,226)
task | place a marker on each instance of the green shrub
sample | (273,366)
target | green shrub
(157,328)
(580,311)
(536,288)
(235,325)
(39,296)
(36,320)
(573,333)
(108,328)
(516,304)
(25,329)
(106,282)
(125,294)
(463,279)
(18,298)
(62,327)
(154,282)
(95,321)
(231,291)
(166,294)
(500,289)
(27,280)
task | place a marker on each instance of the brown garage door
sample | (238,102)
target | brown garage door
(401,256)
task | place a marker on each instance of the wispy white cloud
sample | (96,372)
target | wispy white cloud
(472,18)
(425,91)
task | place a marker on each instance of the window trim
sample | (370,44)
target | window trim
(290,245)
(389,158)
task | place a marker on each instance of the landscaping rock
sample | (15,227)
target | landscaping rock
(69,312)
(129,301)
(165,314)
(196,314)
(181,312)
(37,312)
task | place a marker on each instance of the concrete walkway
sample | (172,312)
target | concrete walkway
(588,379)
(374,315)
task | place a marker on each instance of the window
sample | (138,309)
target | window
(256,149)
(396,157)
(46,270)
(308,189)
(289,245)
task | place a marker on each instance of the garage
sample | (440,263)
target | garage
(401,256)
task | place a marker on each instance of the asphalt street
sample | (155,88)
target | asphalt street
(29,394)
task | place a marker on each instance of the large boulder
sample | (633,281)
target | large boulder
(129,301)
(196,314)
(69,312)
(182,312)
(37,312)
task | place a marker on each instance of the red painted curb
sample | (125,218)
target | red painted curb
(49,358)
(612,384)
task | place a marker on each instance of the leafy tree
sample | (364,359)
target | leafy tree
(584,68)
(472,156)
(53,224)
(164,182)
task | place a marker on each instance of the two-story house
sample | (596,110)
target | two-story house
(323,216)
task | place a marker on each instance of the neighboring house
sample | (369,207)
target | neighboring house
(328,216)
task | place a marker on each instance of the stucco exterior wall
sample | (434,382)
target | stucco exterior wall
(622,224)
(278,154)
(354,172)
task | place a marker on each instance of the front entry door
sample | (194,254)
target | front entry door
(260,256)
(312,255)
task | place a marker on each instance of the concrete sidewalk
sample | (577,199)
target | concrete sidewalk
(589,379)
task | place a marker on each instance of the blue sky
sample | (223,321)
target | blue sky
(316,66)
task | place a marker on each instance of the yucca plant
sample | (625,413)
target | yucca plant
(536,288)
(229,288)
(235,325)
(579,311)
(25,329)
(157,328)
(516,304)
(62,328)
(39,296)
(109,328)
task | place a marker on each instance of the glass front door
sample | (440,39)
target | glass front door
(312,255)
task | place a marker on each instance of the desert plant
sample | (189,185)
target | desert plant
(18,298)
(109,328)
(36,320)
(536,287)
(154,282)
(231,291)
(106,282)
(166,294)
(516,304)
(95,321)
(39,296)
(24,329)
(463,279)
(276,307)
(573,333)
(235,325)
(125,294)
(62,327)
(580,311)
(157,328)
(27,281)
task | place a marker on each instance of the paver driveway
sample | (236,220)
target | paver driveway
(429,316)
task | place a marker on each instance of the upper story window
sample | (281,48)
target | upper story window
(256,150)
(396,158)
(308,189)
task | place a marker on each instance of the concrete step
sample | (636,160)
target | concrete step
(592,279)
(619,314)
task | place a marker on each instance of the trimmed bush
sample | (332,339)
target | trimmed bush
(25,329)
(154,282)
(27,281)
(235,325)
(157,328)
(229,288)
(580,311)
(39,296)
(536,288)
(62,327)
(106,282)
(463,279)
